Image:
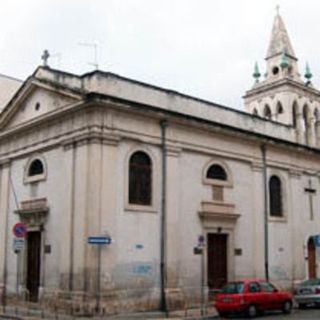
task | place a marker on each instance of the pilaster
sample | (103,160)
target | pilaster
(67,227)
(109,214)
(81,173)
(258,218)
(173,238)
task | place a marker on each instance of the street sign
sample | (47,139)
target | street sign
(20,230)
(99,240)
(18,244)
(201,241)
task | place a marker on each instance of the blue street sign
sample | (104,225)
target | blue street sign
(99,240)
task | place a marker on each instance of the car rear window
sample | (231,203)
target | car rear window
(311,282)
(233,287)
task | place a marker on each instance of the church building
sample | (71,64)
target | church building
(117,195)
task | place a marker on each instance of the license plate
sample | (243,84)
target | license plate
(305,291)
(226,299)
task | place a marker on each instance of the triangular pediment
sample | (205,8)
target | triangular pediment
(35,100)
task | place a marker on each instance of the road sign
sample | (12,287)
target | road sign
(18,244)
(20,230)
(99,240)
(201,241)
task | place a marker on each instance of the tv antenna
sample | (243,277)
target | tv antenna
(94,46)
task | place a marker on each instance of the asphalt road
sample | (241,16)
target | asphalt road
(310,314)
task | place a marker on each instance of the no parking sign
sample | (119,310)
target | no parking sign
(20,230)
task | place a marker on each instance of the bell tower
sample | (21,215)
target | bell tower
(282,95)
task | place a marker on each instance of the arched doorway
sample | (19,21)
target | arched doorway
(312,258)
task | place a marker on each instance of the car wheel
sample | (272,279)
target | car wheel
(302,305)
(224,314)
(252,311)
(287,307)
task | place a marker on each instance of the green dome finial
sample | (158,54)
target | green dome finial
(308,74)
(256,73)
(284,63)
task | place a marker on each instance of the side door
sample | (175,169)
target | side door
(270,295)
(255,295)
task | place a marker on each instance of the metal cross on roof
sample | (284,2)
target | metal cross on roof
(45,56)
(277,9)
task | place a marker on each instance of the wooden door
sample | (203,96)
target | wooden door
(33,264)
(312,259)
(217,260)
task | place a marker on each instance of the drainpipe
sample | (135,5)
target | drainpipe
(266,229)
(163,304)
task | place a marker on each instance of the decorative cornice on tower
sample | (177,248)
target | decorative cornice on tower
(279,41)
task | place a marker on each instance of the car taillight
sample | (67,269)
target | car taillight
(317,290)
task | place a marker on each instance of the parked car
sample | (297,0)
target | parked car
(308,293)
(251,297)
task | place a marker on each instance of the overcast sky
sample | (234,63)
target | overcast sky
(204,48)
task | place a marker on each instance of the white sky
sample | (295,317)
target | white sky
(204,48)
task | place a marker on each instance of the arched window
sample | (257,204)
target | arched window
(279,108)
(275,193)
(35,168)
(140,179)
(217,172)
(294,114)
(267,112)
(255,112)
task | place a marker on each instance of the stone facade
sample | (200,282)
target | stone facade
(82,132)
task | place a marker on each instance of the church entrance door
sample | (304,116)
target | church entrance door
(217,260)
(312,259)
(33,264)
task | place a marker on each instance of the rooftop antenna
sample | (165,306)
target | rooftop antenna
(95,51)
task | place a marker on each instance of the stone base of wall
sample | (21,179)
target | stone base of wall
(81,303)
(175,299)
(109,302)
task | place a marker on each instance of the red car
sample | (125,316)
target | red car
(251,297)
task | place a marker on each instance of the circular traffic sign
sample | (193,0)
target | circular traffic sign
(20,230)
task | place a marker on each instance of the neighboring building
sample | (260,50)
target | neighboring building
(102,155)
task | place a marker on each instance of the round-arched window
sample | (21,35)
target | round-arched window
(217,172)
(35,168)
(140,179)
(275,197)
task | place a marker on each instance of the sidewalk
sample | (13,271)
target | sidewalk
(21,313)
